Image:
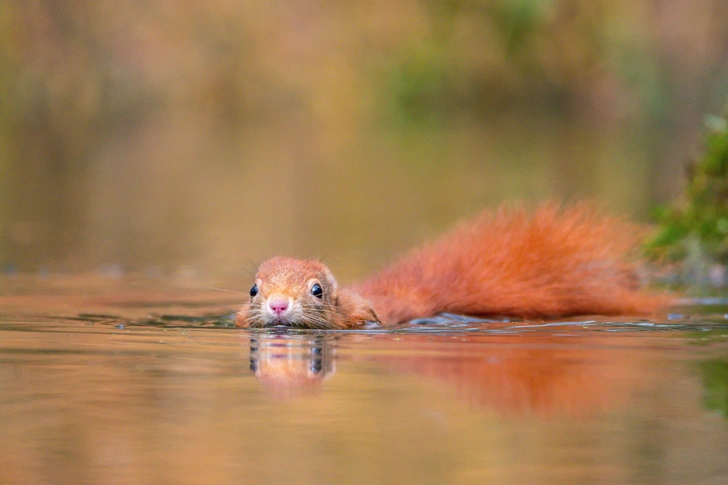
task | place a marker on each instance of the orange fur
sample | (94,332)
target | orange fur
(556,262)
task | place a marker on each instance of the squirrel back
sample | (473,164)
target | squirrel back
(553,263)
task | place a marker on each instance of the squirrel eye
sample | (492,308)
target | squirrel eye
(254,290)
(317,291)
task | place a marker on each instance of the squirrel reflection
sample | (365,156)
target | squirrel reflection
(535,375)
(290,365)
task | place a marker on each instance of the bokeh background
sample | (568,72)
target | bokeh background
(192,139)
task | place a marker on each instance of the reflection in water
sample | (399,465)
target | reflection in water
(510,375)
(82,401)
(715,385)
(289,365)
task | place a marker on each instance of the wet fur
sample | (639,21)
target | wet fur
(553,263)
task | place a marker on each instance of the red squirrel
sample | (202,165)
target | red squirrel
(552,263)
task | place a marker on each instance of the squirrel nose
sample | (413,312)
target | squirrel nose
(278,305)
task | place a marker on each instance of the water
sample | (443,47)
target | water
(123,384)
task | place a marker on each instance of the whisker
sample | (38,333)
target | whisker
(325,255)
(253,264)
(229,291)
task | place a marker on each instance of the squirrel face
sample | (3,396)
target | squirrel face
(293,293)
(304,294)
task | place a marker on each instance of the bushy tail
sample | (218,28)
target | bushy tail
(555,262)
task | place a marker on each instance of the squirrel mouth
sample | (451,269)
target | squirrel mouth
(282,322)
(279,321)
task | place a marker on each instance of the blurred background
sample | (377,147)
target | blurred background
(193,139)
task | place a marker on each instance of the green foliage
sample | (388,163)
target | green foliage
(419,82)
(696,227)
(476,55)
(519,20)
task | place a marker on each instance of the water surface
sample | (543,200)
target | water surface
(124,384)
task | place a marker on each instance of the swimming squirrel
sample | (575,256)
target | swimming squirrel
(555,262)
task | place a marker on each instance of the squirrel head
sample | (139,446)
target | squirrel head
(302,294)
